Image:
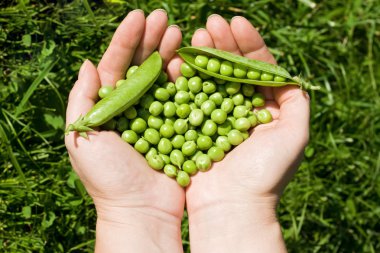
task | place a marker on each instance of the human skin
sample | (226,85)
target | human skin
(138,209)
(232,207)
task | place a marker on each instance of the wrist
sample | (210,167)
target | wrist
(120,229)
(236,227)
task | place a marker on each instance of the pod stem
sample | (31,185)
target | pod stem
(304,85)
(79,126)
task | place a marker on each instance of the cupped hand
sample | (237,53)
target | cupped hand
(116,176)
(251,178)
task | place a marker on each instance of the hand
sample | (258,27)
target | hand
(138,208)
(232,207)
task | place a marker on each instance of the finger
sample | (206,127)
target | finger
(221,34)
(173,68)
(294,112)
(155,27)
(170,42)
(118,56)
(84,94)
(249,41)
(202,38)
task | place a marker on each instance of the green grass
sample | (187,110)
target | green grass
(332,204)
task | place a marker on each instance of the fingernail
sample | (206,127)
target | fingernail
(137,10)
(213,15)
(162,10)
(174,26)
(83,68)
(236,17)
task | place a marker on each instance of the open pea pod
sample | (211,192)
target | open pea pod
(121,98)
(188,54)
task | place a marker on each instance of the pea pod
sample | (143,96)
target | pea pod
(188,54)
(121,98)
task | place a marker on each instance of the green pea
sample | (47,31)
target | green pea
(146,100)
(104,91)
(245,134)
(162,94)
(224,128)
(258,100)
(182,97)
(170,121)
(213,65)
(208,107)
(203,162)
(279,79)
(156,162)
(131,70)
(232,87)
(156,108)
(164,146)
(196,117)
(142,146)
(240,111)
(193,106)
(231,120)
(187,70)
(195,84)
(166,158)
(138,125)
(219,116)
(253,74)
(216,154)
(264,116)
(167,130)
(155,122)
(183,178)
(122,124)
(189,148)
(162,78)
(221,88)
(201,61)
(204,142)
(181,126)
(209,87)
(223,143)
(119,83)
(219,81)
(247,103)
(191,135)
(240,71)
(152,136)
(252,119)
(204,76)
(266,77)
(170,87)
(130,113)
(152,151)
(217,98)
(181,83)
(227,105)
(169,109)
(226,68)
(183,111)
(178,141)
(200,98)
(247,90)
(143,113)
(209,128)
(189,167)
(195,156)
(242,124)
(238,99)
(170,170)
(130,136)
(235,137)
(177,158)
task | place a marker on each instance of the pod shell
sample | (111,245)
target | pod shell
(123,97)
(188,54)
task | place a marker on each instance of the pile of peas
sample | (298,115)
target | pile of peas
(182,127)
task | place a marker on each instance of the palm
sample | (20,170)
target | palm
(112,171)
(261,166)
